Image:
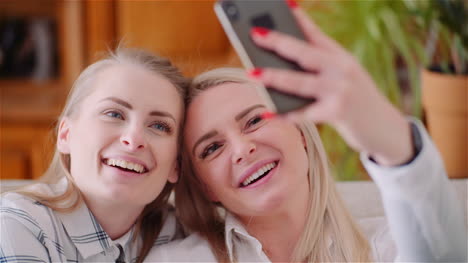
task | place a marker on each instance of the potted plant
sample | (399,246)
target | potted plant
(445,79)
(381,36)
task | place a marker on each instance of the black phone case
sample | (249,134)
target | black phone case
(238,17)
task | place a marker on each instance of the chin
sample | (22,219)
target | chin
(121,195)
(267,204)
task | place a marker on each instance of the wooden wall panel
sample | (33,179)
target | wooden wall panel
(187,32)
(30,8)
(100,35)
(28,108)
(171,26)
(14,164)
(70,27)
(25,151)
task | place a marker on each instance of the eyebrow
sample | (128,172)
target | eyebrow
(129,106)
(119,101)
(205,137)
(248,110)
(237,118)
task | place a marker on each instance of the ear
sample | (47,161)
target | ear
(63,141)
(174,175)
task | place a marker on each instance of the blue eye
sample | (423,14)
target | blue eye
(114,114)
(209,150)
(162,126)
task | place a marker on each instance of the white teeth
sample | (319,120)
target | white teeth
(125,164)
(259,173)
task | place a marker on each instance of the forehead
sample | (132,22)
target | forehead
(217,105)
(136,85)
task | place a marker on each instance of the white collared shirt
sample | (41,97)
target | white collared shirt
(32,232)
(245,248)
(425,223)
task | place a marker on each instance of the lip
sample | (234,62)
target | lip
(128,159)
(253,169)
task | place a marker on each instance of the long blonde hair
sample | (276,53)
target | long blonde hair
(330,233)
(150,222)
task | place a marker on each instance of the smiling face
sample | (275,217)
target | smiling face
(122,140)
(253,166)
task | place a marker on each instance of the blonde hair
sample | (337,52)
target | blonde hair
(328,220)
(150,222)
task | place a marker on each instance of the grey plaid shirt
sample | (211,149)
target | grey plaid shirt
(32,232)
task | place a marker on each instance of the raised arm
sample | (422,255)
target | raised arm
(422,208)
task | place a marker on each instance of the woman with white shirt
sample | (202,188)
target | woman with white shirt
(270,174)
(104,196)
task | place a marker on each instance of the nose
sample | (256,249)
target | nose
(133,138)
(243,147)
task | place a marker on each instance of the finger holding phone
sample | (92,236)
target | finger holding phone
(343,93)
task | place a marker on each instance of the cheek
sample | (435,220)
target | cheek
(95,133)
(88,139)
(164,149)
(84,149)
(295,151)
(205,174)
(295,146)
(286,138)
(82,142)
(212,174)
(285,133)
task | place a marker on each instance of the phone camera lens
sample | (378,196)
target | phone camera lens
(231,10)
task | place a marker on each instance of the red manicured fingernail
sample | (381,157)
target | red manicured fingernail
(268,115)
(259,31)
(256,72)
(292,4)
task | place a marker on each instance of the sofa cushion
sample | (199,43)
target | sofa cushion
(364,201)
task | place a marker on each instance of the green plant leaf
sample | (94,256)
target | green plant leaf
(376,33)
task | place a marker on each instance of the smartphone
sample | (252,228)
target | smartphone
(237,17)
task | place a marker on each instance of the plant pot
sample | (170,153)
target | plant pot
(445,101)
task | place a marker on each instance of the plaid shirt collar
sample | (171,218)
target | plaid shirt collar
(87,234)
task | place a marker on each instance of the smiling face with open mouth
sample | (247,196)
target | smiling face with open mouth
(122,140)
(253,166)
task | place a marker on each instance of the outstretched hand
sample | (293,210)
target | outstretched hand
(346,96)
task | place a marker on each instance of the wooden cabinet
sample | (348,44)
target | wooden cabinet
(26,151)
(28,114)
(187,32)
(30,106)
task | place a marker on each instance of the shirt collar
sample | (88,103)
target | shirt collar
(125,239)
(85,232)
(235,230)
(231,224)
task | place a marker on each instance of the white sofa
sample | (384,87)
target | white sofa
(364,201)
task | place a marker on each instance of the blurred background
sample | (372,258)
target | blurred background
(406,45)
